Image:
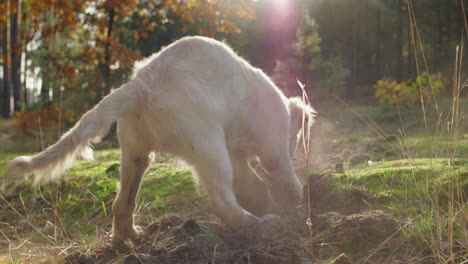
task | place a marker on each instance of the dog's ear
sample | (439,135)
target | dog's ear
(299,112)
(301,117)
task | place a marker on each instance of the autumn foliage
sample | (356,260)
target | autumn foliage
(44,122)
(206,17)
(87,48)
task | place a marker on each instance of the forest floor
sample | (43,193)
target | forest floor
(395,192)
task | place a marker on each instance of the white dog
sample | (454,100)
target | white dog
(199,100)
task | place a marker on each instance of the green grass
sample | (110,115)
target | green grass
(163,183)
(392,119)
(403,176)
(84,197)
(426,146)
(428,195)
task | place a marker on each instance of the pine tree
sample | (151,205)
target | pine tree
(322,76)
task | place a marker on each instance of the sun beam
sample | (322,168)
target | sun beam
(280,3)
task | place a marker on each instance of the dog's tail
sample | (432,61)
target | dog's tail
(302,117)
(49,164)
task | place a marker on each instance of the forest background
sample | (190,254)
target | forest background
(68,54)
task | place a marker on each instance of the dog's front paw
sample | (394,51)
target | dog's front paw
(125,240)
(122,246)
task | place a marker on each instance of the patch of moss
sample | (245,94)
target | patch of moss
(163,182)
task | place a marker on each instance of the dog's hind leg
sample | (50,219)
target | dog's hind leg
(134,162)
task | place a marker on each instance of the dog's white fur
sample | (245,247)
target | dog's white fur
(200,101)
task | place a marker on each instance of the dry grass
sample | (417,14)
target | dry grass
(52,242)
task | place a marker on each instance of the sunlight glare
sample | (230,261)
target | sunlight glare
(280,3)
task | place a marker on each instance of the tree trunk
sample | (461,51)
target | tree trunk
(45,89)
(45,85)
(461,28)
(107,54)
(436,35)
(378,33)
(16,58)
(367,37)
(399,73)
(3,64)
(356,31)
(25,75)
(410,46)
(6,96)
(459,21)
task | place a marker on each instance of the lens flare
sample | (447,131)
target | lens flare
(280,3)
(283,12)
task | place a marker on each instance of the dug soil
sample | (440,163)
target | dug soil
(337,227)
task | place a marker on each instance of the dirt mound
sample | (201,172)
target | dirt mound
(343,230)
(324,197)
(209,242)
(187,240)
(356,232)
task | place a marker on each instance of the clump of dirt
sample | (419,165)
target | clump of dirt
(343,229)
(357,232)
(324,197)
